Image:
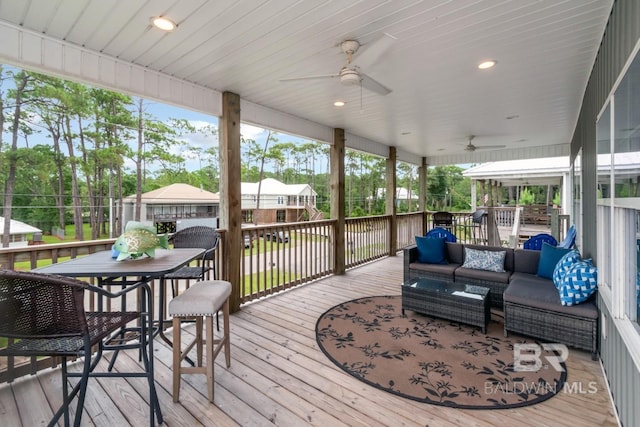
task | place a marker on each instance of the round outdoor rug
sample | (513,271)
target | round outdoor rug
(434,360)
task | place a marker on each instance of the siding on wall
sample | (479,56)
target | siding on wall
(620,38)
(622,374)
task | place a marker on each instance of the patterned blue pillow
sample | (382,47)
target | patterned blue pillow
(484,260)
(579,283)
(565,263)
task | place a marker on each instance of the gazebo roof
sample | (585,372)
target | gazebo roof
(547,171)
(18,227)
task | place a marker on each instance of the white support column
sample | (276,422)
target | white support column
(566,200)
(474,195)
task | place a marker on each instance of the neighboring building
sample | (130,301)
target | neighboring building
(19,233)
(167,207)
(278,202)
(401,194)
(164,207)
(550,171)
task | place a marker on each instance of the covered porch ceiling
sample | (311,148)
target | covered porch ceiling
(425,52)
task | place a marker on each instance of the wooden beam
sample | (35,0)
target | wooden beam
(422,190)
(338,212)
(391,200)
(230,192)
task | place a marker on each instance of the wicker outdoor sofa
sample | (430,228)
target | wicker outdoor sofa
(531,304)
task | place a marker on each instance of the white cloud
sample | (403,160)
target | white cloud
(251,132)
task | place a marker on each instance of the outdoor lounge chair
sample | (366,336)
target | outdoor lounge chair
(535,243)
(570,239)
(440,232)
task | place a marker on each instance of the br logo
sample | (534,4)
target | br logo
(528,357)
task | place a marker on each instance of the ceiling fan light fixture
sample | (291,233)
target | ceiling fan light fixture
(349,77)
(484,65)
(165,24)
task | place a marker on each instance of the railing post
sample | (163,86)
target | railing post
(555,223)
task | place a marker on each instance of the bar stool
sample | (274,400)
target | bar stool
(201,301)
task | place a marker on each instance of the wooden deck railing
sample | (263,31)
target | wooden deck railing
(285,255)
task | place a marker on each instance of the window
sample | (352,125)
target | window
(281,216)
(618,198)
(603,196)
(626,174)
(576,170)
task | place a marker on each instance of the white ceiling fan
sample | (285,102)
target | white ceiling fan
(471,147)
(351,73)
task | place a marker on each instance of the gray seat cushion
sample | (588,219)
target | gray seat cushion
(201,299)
(490,276)
(439,269)
(534,291)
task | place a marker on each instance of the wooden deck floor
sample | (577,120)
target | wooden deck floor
(279,376)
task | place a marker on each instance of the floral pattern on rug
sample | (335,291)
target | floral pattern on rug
(432,360)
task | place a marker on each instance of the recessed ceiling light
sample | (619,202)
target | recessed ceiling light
(163,23)
(339,104)
(487,64)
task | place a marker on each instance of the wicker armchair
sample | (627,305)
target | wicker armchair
(43,315)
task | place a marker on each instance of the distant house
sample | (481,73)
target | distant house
(278,202)
(19,233)
(165,207)
(177,205)
(401,194)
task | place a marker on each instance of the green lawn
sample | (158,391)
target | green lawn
(271,281)
(70,234)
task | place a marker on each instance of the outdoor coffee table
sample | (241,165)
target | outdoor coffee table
(453,301)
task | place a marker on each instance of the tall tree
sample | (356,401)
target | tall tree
(21,81)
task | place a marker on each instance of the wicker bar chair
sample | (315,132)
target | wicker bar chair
(476,224)
(198,236)
(443,219)
(43,315)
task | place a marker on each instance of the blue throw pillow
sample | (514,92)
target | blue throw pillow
(579,283)
(431,250)
(484,260)
(565,263)
(549,257)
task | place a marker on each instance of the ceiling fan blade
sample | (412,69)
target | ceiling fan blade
(371,52)
(372,85)
(489,147)
(320,76)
